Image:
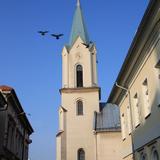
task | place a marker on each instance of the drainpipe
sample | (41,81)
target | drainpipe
(130,104)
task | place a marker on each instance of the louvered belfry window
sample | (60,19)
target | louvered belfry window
(79,72)
(81,154)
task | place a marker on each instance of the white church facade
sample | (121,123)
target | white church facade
(88,129)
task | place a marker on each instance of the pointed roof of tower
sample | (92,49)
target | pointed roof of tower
(78,26)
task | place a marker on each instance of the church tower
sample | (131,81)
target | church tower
(80,95)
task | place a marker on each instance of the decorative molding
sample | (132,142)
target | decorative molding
(79,90)
(59,133)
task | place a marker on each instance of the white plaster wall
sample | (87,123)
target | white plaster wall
(79,129)
(65,62)
(94,66)
(109,146)
(58,148)
(127,142)
(61,119)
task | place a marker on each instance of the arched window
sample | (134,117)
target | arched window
(79,107)
(143,157)
(81,154)
(79,75)
(154,155)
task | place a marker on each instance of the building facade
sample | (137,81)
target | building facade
(107,132)
(137,90)
(15,128)
(79,137)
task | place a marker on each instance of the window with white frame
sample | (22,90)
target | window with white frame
(123,125)
(129,120)
(136,110)
(146,98)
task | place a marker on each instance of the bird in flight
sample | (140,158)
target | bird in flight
(87,44)
(57,36)
(43,33)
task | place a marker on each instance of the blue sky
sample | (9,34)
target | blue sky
(31,64)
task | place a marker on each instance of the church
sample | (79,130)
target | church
(88,129)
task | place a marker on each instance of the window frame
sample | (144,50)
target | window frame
(129,120)
(152,153)
(80,153)
(79,108)
(143,156)
(136,110)
(79,76)
(146,103)
(123,125)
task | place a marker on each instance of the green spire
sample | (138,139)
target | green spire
(78,26)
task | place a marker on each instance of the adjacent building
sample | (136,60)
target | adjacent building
(107,133)
(137,90)
(15,128)
(84,133)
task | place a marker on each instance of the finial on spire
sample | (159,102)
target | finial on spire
(78,2)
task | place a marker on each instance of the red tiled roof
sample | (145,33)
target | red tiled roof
(5,88)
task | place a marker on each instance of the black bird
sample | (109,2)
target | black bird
(87,44)
(43,33)
(57,36)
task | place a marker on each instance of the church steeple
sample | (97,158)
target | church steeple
(78,26)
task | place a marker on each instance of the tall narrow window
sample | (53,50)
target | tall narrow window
(143,157)
(154,155)
(79,75)
(158,74)
(79,107)
(129,120)
(146,98)
(136,110)
(81,154)
(123,124)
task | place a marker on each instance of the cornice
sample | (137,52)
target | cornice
(59,133)
(80,90)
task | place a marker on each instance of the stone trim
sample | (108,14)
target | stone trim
(59,133)
(79,90)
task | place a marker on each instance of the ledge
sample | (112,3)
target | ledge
(59,133)
(148,116)
(99,130)
(80,89)
(137,125)
(65,110)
